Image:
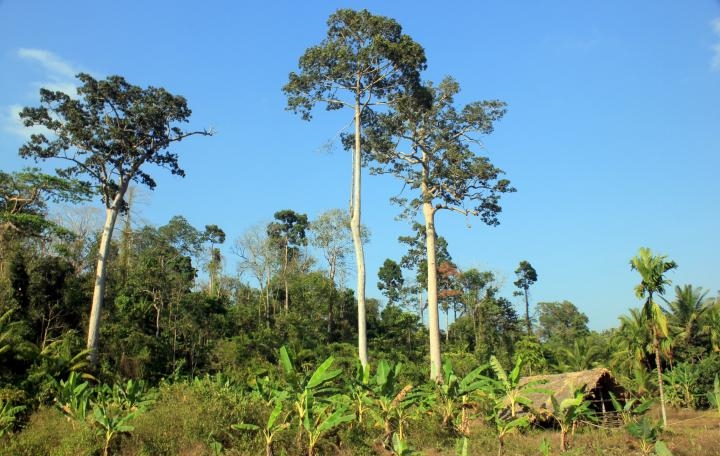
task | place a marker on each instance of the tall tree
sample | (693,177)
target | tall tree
(686,312)
(449,291)
(259,258)
(527,276)
(391,281)
(415,260)
(288,234)
(214,235)
(559,323)
(426,142)
(24,196)
(331,234)
(108,134)
(652,269)
(362,62)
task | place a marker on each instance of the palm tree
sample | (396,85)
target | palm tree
(633,339)
(710,326)
(652,269)
(686,310)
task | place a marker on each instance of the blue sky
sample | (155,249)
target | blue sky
(612,135)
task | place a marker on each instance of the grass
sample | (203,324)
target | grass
(187,419)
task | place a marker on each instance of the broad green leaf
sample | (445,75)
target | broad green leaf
(321,374)
(381,376)
(661,449)
(286,362)
(336,419)
(499,371)
(274,415)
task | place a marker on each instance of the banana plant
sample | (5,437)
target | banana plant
(359,393)
(133,395)
(301,388)
(111,421)
(8,414)
(568,412)
(401,448)
(630,408)
(647,433)
(276,423)
(509,388)
(391,402)
(680,382)
(453,396)
(507,397)
(322,417)
(73,397)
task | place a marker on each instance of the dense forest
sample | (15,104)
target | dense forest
(109,330)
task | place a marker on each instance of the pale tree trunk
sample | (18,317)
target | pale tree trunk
(656,347)
(432,294)
(330,315)
(357,241)
(527,313)
(111,214)
(285,278)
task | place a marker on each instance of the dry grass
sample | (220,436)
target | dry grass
(689,433)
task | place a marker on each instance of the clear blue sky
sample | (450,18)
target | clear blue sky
(612,135)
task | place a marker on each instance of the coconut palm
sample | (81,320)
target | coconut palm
(710,326)
(685,312)
(633,341)
(652,269)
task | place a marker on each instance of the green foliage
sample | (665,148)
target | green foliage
(276,423)
(8,416)
(568,412)
(507,397)
(391,400)
(454,396)
(24,197)
(391,281)
(400,447)
(680,382)
(630,408)
(74,397)
(647,433)
(714,395)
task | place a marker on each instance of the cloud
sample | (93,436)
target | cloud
(715,63)
(11,123)
(58,75)
(55,66)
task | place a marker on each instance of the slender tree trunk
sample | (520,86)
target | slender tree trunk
(331,302)
(111,214)
(447,325)
(658,362)
(357,241)
(285,278)
(420,304)
(432,294)
(527,313)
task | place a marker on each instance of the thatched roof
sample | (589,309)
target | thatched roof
(598,383)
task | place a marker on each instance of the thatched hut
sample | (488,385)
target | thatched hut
(599,383)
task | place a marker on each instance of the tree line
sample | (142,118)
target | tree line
(150,317)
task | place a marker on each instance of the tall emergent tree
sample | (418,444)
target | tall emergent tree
(363,62)
(214,235)
(331,234)
(391,281)
(426,142)
(652,269)
(108,134)
(527,276)
(288,233)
